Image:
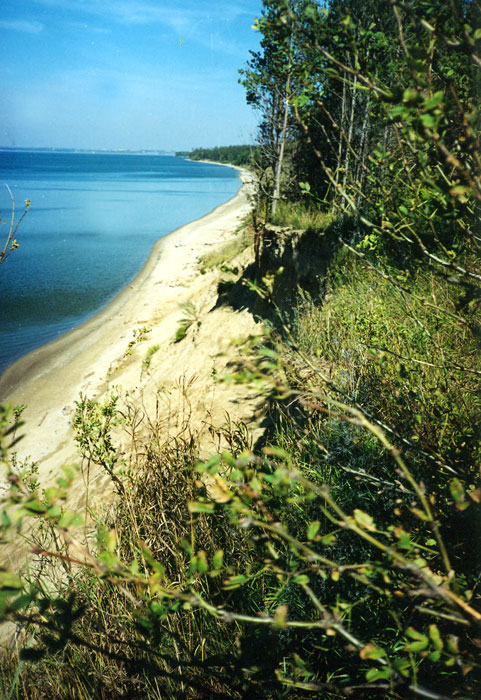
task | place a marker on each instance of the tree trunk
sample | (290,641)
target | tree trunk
(282,140)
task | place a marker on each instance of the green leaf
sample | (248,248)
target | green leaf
(370,651)
(35,506)
(211,466)
(417,646)
(199,507)
(435,637)
(376,674)
(313,529)
(235,582)
(202,564)
(302,579)
(428,121)
(434,101)
(9,581)
(217,559)
(411,96)
(420,640)
(70,520)
(458,493)
(328,539)
(364,520)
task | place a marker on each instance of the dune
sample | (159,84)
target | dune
(102,355)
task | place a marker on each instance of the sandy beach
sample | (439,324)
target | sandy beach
(96,357)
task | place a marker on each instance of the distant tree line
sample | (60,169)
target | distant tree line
(234,155)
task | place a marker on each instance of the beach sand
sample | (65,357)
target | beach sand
(95,358)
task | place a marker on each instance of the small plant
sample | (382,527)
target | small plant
(298,215)
(93,423)
(140,334)
(11,243)
(191,317)
(148,357)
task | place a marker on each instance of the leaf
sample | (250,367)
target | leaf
(428,121)
(199,507)
(280,616)
(420,640)
(328,539)
(370,651)
(219,491)
(434,101)
(9,581)
(202,564)
(376,674)
(417,646)
(70,520)
(211,466)
(235,582)
(475,495)
(301,579)
(435,637)
(34,506)
(458,493)
(419,514)
(364,520)
(411,96)
(313,529)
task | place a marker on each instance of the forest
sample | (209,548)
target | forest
(340,555)
(234,155)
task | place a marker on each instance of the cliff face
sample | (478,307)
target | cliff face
(285,262)
(296,259)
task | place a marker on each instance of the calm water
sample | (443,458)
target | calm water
(92,224)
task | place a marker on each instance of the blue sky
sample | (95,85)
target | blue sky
(136,74)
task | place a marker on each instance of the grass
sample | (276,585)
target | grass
(300,216)
(234,531)
(149,355)
(191,317)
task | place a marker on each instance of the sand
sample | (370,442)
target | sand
(94,359)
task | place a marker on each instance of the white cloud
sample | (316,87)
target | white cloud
(22,26)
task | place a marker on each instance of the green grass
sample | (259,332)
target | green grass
(148,357)
(300,216)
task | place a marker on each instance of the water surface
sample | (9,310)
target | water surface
(91,226)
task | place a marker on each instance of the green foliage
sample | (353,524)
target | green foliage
(301,217)
(140,334)
(233,155)
(341,557)
(191,317)
(148,357)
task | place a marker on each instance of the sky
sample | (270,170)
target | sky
(125,74)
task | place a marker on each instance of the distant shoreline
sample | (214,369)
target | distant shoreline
(88,151)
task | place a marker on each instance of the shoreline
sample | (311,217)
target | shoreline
(42,359)
(95,359)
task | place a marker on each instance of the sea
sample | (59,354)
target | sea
(90,227)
